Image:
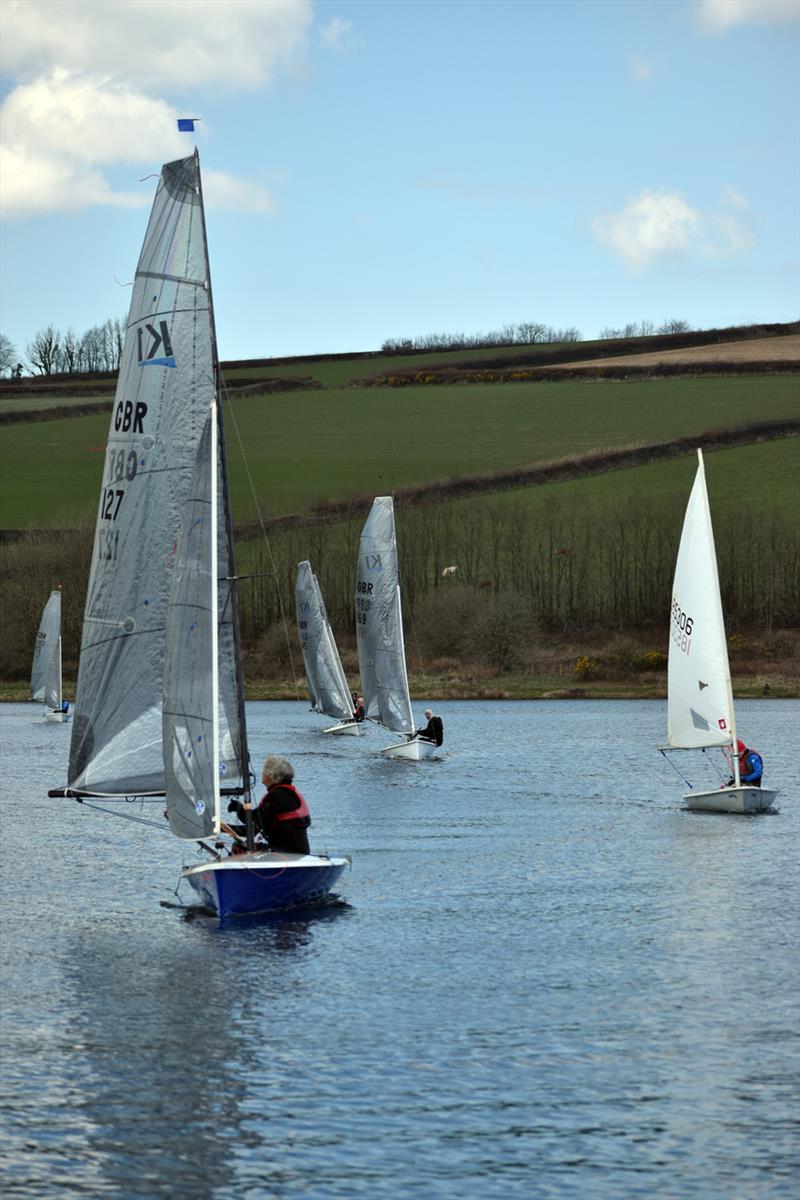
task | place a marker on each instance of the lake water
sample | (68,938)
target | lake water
(548,980)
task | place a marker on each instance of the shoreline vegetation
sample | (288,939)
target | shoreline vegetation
(475,684)
(270,693)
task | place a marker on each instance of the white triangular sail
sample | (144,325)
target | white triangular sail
(166,388)
(700,703)
(379,622)
(326,678)
(46,666)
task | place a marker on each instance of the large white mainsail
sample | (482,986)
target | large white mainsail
(379,622)
(700,704)
(324,672)
(167,388)
(46,666)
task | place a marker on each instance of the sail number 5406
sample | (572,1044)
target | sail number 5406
(682,626)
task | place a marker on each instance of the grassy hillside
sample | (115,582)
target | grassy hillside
(560,586)
(303,447)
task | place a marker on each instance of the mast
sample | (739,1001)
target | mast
(220,451)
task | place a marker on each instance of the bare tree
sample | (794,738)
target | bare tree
(70,351)
(118,327)
(8,355)
(91,350)
(44,352)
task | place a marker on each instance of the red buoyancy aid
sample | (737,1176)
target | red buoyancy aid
(295,813)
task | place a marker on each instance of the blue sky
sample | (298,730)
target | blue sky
(392,168)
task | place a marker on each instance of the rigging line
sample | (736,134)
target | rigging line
(675,769)
(261,522)
(111,812)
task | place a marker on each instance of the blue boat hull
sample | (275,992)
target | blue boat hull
(264,882)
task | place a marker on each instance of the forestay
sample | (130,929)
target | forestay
(700,707)
(326,678)
(379,622)
(159,430)
(46,667)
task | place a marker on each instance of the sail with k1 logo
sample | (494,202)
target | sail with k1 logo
(150,479)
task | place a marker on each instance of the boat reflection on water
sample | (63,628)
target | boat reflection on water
(166,1059)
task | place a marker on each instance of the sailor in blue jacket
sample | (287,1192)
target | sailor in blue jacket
(751,766)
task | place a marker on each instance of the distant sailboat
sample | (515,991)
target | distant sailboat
(700,696)
(46,668)
(326,678)
(379,631)
(160,707)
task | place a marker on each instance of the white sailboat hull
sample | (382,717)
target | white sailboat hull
(731,800)
(59,718)
(415,750)
(353,728)
(264,881)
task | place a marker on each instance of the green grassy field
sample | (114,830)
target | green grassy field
(336,373)
(28,403)
(763,476)
(307,446)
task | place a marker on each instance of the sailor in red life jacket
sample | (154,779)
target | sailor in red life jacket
(751,767)
(282,816)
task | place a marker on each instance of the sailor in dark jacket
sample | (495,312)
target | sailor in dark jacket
(282,816)
(434,730)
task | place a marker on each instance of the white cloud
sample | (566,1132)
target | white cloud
(232,44)
(89,120)
(662,226)
(30,185)
(89,76)
(226,192)
(334,34)
(718,16)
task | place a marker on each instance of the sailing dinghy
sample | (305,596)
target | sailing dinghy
(160,713)
(46,668)
(379,632)
(327,683)
(700,696)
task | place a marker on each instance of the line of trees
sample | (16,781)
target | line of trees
(524,577)
(525,333)
(53,352)
(645,329)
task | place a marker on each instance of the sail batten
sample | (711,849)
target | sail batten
(700,704)
(379,622)
(151,488)
(326,678)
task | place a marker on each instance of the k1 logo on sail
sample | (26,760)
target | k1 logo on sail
(161,342)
